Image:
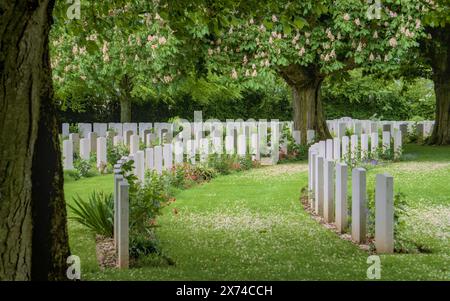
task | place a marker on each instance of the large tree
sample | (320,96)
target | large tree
(436,52)
(33,233)
(306,41)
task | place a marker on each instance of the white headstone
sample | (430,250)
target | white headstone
(329,149)
(85,148)
(374,143)
(168,156)
(336,149)
(149,158)
(117,140)
(345,147)
(139,162)
(319,185)
(364,146)
(93,141)
(100,129)
(179,152)
(101,152)
(328,206)
(68,154)
(354,147)
(158,159)
(134,143)
(341,197)
(254,146)
(386,141)
(65,129)
(310,136)
(384,214)
(359,205)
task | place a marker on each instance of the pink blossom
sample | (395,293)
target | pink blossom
(418,24)
(274,18)
(150,38)
(234,74)
(302,51)
(371,57)
(254,73)
(375,35)
(162,40)
(357,22)
(346,17)
(253,66)
(251,21)
(393,42)
(267,63)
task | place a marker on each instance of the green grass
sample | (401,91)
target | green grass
(251,226)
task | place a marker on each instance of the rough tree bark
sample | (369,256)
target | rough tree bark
(307,105)
(439,56)
(125,100)
(25,91)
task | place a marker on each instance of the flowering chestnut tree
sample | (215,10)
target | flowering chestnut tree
(306,41)
(95,56)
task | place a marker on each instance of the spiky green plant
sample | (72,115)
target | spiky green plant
(96,213)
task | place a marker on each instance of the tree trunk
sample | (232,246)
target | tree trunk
(439,55)
(125,100)
(307,106)
(25,85)
(50,238)
(125,109)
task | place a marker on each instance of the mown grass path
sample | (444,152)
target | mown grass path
(251,226)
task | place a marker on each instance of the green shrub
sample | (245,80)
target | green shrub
(73,174)
(114,153)
(203,172)
(221,163)
(97,213)
(83,167)
(245,162)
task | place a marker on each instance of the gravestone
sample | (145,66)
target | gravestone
(397,144)
(190,151)
(85,129)
(149,158)
(144,128)
(364,146)
(130,127)
(374,143)
(255,147)
(75,138)
(328,206)
(341,129)
(116,128)
(336,149)
(345,147)
(386,141)
(100,129)
(310,136)
(134,144)
(354,147)
(65,129)
(319,187)
(93,141)
(329,149)
(117,140)
(68,154)
(127,137)
(229,145)
(322,148)
(384,214)
(117,179)
(387,127)
(341,197)
(168,156)
(123,225)
(420,133)
(242,145)
(313,179)
(158,161)
(178,149)
(359,205)
(297,136)
(101,154)
(357,129)
(85,148)
(146,136)
(404,130)
(139,162)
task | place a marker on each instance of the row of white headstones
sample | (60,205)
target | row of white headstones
(159,157)
(327,186)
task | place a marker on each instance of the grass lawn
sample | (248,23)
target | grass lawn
(251,226)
